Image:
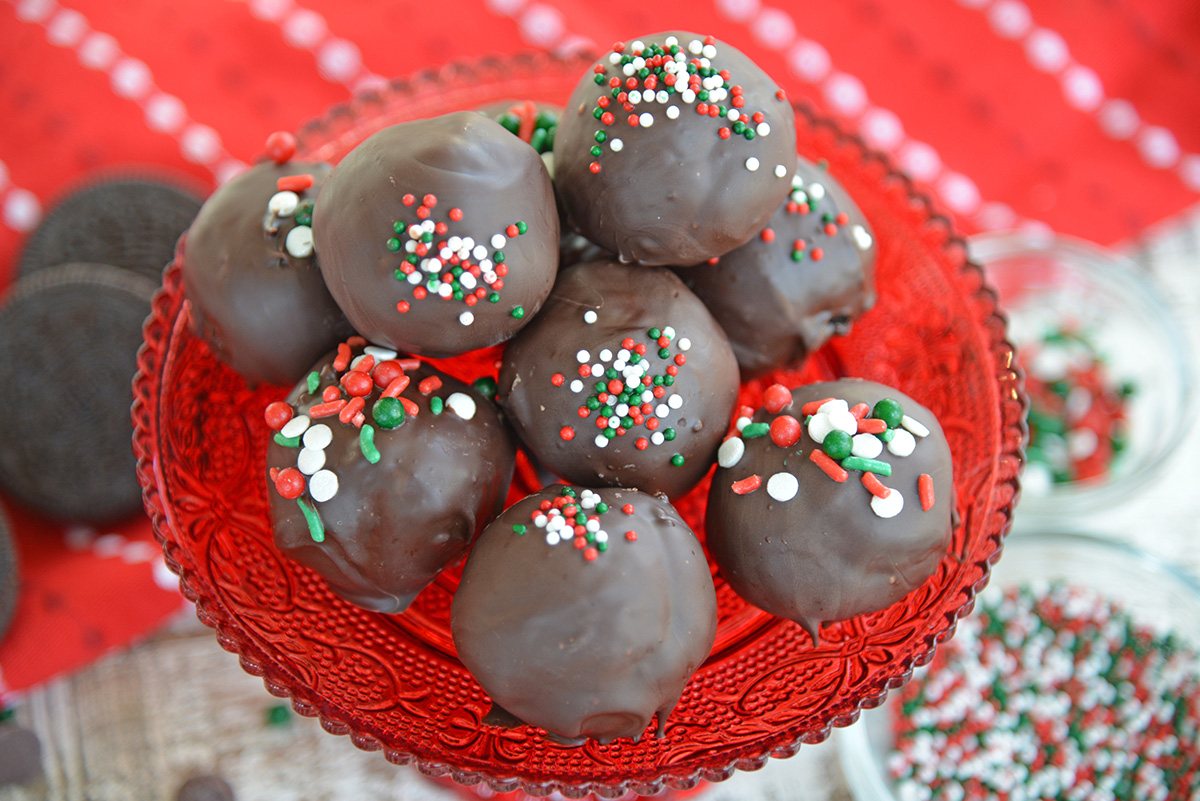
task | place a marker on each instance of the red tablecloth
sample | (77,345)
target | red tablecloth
(1079,115)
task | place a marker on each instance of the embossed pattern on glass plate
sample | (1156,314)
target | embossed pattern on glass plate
(392,683)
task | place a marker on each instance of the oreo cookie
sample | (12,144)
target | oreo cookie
(129,222)
(9,576)
(68,345)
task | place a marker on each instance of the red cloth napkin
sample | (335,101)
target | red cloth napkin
(1077,115)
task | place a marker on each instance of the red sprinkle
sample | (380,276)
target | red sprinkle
(408,200)
(342,360)
(281,146)
(396,386)
(872,482)
(567,433)
(590,554)
(724,133)
(358,383)
(402,306)
(289,482)
(429,384)
(294,183)
(776,398)
(860,410)
(594,167)
(746,485)
(429,200)
(410,408)
(812,407)
(785,431)
(348,412)
(627,508)
(277,415)
(925,491)
(326,409)
(631,536)
(828,466)
(386,372)
(331,393)
(456,214)
(768,235)
(871,425)
(641,443)
(817,254)
(557,379)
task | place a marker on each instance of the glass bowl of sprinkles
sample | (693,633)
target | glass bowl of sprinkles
(393,683)
(1077,677)
(1105,364)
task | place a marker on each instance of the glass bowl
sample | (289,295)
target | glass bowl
(393,684)
(1156,594)
(1106,369)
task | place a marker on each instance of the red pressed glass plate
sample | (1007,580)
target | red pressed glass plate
(393,683)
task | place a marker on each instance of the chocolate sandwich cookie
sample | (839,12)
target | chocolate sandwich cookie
(68,343)
(9,576)
(131,223)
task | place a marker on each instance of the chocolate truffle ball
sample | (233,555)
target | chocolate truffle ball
(249,270)
(835,500)
(439,236)
(382,471)
(585,612)
(675,148)
(623,379)
(804,278)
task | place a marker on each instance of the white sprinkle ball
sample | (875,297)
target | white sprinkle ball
(709,51)
(283,203)
(466,318)
(685,344)
(577,385)
(601,441)
(310,460)
(467,280)
(616,145)
(889,506)
(783,486)
(589,316)
(695,47)
(323,485)
(661,96)
(597,370)
(862,237)
(614,58)
(675,401)
(662,410)
(498,241)
(461,404)
(672,112)
(552,538)
(606,355)
(299,242)
(657,438)
(583,356)
(742,422)
(867,446)
(634,97)
(637,45)
(296,426)
(781,171)
(752,164)
(445,291)
(763,129)
(318,437)
(816,191)
(669,332)
(645,119)
(902,443)
(730,452)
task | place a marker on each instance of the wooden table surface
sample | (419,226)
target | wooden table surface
(135,725)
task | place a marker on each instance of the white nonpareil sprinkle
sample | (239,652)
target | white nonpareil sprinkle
(617,144)
(816,191)
(466,318)
(685,344)
(318,437)
(752,164)
(601,441)
(657,438)
(781,171)
(589,316)
(672,112)
(695,47)
(283,204)
(675,401)
(902,443)
(914,427)
(783,486)
(310,460)
(323,485)
(296,426)
(889,506)
(730,452)
(862,237)
(763,129)
(582,356)
(868,446)
(445,290)
(741,423)
(645,119)
(461,404)
(577,385)
(381,354)
(498,241)
(299,242)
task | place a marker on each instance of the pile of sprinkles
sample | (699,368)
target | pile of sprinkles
(531,124)
(1078,410)
(453,268)
(848,438)
(286,202)
(628,390)
(647,82)
(375,375)
(574,517)
(1051,692)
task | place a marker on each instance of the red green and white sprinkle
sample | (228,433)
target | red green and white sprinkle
(1051,692)
(574,517)
(287,203)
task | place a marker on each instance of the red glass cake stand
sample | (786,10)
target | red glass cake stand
(393,684)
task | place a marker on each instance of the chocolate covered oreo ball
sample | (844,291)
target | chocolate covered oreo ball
(836,499)
(382,471)
(623,379)
(585,612)
(803,279)
(673,149)
(439,236)
(249,270)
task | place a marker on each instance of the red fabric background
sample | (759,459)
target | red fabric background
(1079,115)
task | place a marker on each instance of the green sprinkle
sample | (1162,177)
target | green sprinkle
(627,422)
(388,413)
(677,460)
(610,433)
(664,353)
(393,244)
(596,151)
(304,212)
(519,528)
(654,333)
(668,434)
(510,122)
(755,430)
(521,228)
(518,312)
(749,134)
(837,444)
(485,386)
(436,405)
(607,411)
(597,112)
(546,119)
(316,529)
(567,492)
(889,411)
(314,382)
(601,508)
(494,297)
(797,255)
(278,715)
(399,226)
(867,465)
(592,403)
(287,442)
(538,140)
(602,546)
(668,380)
(601,137)
(887,436)
(598,79)
(366,443)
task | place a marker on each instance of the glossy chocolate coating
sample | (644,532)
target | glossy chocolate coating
(262,311)
(776,308)
(628,302)
(394,524)
(676,192)
(467,163)
(587,648)
(825,555)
